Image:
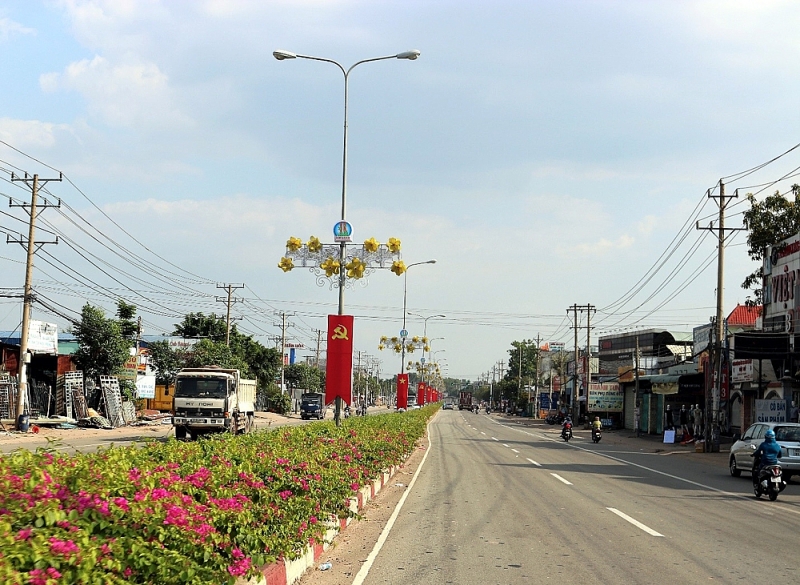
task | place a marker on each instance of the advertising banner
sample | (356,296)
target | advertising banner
(772,411)
(605,397)
(42,337)
(146,387)
(741,371)
(402,390)
(421,393)
(339,367)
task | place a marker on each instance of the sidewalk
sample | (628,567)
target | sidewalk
(628,440)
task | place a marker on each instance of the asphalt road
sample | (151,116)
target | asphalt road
(497,502)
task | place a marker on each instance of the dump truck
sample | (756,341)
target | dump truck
(212,399)
(465,401)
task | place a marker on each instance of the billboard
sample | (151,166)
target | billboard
(42,337)
(606,397)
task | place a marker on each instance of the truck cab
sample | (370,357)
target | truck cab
(312,405)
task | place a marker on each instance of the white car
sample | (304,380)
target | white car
(786,434)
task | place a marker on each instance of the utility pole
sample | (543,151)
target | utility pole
(637,413)
(575,373)
(536,376)
(589,308)
(229,301)
(284,325)
(319,340)
(712,430)
(32,246)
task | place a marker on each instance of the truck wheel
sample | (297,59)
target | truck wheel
(180,433)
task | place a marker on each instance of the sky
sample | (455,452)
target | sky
(545,153)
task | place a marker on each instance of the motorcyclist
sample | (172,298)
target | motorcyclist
(767,453)
(596,425)
(564,430)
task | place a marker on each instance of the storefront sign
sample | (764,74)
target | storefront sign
(605,397)
(43,337)
(741,371)
(146,387)
(772,411)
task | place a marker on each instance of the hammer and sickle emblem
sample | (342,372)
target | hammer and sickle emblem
(340,332)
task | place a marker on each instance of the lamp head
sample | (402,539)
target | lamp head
(410,55)
(281,55)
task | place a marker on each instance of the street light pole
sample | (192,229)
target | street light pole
(405,295)
(281,55)
(425,334)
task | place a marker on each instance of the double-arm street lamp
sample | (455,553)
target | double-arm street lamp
(405,296)
(282,55)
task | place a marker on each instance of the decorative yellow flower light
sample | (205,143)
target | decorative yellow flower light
(371,245)
(426,348)
(293,244)
(384,339)
(398,267)
(409,348)
(394,340)
(398,347)
(424,340)
(313,244)
(381,347)
(286,264)
(330,266)
(355,268)
(394,245)
(415,339)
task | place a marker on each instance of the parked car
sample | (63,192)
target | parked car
(786,434)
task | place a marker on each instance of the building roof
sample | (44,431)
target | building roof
(744,315)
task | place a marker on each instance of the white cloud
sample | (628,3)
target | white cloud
(29,133)
(130,95)
(10,28)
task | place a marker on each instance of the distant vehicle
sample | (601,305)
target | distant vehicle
(312,405)
(448,406)
(786,434)
(465,401)
(213,399)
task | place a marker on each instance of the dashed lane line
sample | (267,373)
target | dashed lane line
(534,462)
(635,522)
(515,451)
(561,479)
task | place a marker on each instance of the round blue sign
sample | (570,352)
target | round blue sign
(342,232)
(403,333)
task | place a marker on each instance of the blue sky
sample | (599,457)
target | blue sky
(545,153)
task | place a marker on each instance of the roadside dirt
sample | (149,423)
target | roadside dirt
(351,548)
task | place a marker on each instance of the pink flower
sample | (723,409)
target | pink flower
(285,494)
(239,568)
(313,519)
(127,572)
(24,534)
(134,474)
(62,547)
(122,503)
(159,494)
(354,486)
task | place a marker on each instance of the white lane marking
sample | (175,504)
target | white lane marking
(747,498)
(515,451)
(635,522)
(561,479)
(534,462)
(494,439)
(483,433)
(364,571)
(504,445)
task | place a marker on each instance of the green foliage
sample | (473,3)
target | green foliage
(213,353)
(196,325)
(128,326)
(264,363)
(305,377)
(101,347)
(202,512)
(768,222)
(166,362)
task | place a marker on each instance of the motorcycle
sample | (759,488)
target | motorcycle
(347,412)
(769,481)
(488,410)
(566,431)
(596,435)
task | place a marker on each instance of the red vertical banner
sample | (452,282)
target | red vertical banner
(402,390)
(429,394)
(420,393)
(339,367)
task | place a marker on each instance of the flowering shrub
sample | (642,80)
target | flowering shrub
(203,512)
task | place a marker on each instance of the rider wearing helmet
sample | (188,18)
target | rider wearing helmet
(767,453)
(596,425)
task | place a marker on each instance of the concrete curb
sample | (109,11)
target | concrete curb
(285,572)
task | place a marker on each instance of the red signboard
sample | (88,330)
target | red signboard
(339,368)
(420,393)
(402,390)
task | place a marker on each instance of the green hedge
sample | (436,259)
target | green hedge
(202,512)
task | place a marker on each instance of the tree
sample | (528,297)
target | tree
(128,326)
(768,222)
(166,362)
(213,353)
(263,362)
(204,326)
(102,350)
(304,377)
(511,381)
